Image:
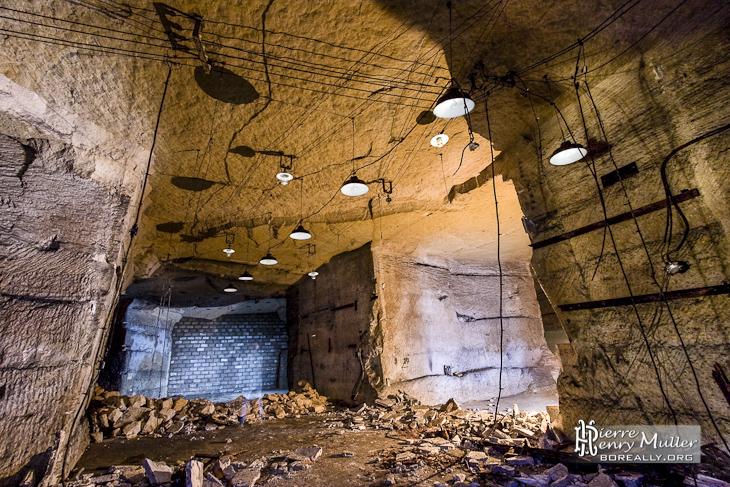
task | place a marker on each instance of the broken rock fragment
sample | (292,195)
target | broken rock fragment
(312,452)
(157,473)
(194,474)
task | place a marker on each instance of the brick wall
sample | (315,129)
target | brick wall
(231,355)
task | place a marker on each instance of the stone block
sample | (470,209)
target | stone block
(602,480)
(194,474)
(312,452)
(157,473)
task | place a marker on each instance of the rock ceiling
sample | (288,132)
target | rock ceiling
(323,86)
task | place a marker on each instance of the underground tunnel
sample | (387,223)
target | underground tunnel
(362,243)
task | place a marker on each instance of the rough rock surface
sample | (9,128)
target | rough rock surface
(88,107)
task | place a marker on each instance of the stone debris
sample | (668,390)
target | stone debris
(194,474)
(157,473)
(470,445)
(111,414)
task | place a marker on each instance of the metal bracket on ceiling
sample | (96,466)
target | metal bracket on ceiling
(387,188)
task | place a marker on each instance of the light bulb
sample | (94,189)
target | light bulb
(439,140)
(284,177)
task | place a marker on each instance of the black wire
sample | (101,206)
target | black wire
(164,58)
(623,270)
(499,265)
(606,23)
(462,159)
(593,170)
(640,38)
(125,261)
(670,196)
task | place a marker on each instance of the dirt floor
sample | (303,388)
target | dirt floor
(251,442)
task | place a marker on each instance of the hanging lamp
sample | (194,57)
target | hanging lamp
(354,186)
(313,275)
(268,259)
(230,289)
(439,140)
(300,233)
(246,276)
(229,245)
(284,176)
(568,153)
(454,103)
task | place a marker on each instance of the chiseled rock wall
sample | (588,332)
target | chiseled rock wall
(59,240)
(332,333)
(441,332)
(675,92)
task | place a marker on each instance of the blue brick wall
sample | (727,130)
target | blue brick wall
(229,356)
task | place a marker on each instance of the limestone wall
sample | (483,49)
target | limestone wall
(441,331)
(651,105)
(330,331)
(56,292)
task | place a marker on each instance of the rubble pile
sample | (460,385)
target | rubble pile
(221,472)
(113,415)
(463,448)
(449,423)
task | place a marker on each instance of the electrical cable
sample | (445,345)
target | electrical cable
(324,72)
(621,266)
(499,266)
(670,196)
(120,282)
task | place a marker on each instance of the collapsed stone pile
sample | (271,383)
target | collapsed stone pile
(112,415)
(449,423)
(519,449)
(223,472)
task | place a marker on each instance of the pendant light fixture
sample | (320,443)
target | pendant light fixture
(246,276)
(229,245)
(284,175)
(568,153)
(313,275)
(454,103)
(230,289)
(354,186)
(268,259)
(439,140)
(300,233)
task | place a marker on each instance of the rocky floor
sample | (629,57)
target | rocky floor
(397,441)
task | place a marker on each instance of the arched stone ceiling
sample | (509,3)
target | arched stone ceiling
(292,82)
